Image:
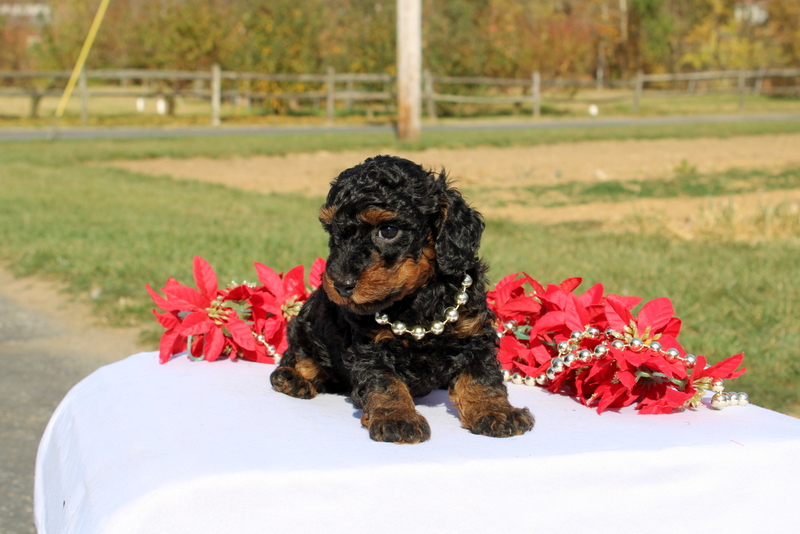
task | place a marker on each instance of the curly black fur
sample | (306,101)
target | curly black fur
(401,240)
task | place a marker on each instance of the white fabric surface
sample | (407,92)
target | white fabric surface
(199,447)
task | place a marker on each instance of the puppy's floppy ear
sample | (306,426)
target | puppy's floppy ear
(458,233)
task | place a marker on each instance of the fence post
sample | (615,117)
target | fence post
(759,84)
(431,104)
(536,91)
(216,93)
(741,87)
(330,86)
(637,94)
(84,91)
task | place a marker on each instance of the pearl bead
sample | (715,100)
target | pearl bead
(733,399)
(541,379)
(530,381)
(516,378)
(674,353)
(576,335)
(418,332)
(437,327)
(600,351)
(399,328)
(636,344)
(584,355)
(744,399)
(563,346)
(718,386)
(611,332)
(718,401)
(557,364)
(271,350)
(569,359)
(690,361)
(461,298)
(506,375)
(467,281)
(618,344)
(550,373)
(381,318)
(593,332)
(451,315)
(655,345)
(260,338)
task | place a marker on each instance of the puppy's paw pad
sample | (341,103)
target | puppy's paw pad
(395,429)
(287,380)
(503,424)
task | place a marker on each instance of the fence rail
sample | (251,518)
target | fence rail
(332,87)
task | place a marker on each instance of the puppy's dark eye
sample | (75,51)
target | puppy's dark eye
(388,232)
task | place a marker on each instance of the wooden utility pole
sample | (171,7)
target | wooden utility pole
(409,69)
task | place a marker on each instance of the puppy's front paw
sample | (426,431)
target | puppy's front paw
(503,423)
(398,428)
(287,380)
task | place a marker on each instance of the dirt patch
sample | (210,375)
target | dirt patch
(499,173)
(494,167)
(60,321)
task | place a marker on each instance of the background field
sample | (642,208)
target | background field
(106,230)
(121,110)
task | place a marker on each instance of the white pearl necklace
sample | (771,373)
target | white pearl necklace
(436,327)
(570,356)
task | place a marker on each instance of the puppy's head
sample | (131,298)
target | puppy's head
(394,226)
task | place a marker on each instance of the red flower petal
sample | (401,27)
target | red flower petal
(241,333)
(673,328)
(655,314)
(214,342)
(594,295)
(666,403)
(271,281)
(726,368)
(167,320)
(161,302)
(570,283)
(315,276)
(185,297)
(205,278)
(293,283)
(167,345)
(196,323)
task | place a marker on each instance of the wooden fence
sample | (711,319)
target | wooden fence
(331,87)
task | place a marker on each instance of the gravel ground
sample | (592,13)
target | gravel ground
(47,344)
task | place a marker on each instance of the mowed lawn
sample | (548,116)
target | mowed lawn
(107,232)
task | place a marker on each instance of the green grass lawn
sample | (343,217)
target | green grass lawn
(107,232)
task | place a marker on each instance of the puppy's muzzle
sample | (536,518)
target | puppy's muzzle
(345,287)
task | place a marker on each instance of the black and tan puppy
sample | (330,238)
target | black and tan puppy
(402,308)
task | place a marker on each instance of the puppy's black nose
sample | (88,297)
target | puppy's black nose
(345,287)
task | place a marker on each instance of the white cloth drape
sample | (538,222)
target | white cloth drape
(197,447)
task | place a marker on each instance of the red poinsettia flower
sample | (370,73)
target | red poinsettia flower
(634,365)
(512,303)
(200,314)
(278,300)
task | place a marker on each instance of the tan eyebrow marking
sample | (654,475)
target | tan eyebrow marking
(326,214)
(375,216)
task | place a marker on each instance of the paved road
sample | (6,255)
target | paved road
(45,348)
(27,134)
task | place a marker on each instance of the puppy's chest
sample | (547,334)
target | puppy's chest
(434,355)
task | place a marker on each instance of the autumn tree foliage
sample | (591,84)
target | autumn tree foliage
(505,38)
